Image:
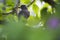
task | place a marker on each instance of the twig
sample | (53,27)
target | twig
(14,10)
(31,3)
(17,5)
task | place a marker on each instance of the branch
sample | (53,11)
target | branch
(31,3)
(14,10)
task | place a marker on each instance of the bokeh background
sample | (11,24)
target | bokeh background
(42,24)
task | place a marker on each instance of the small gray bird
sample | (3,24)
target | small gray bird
(24,12)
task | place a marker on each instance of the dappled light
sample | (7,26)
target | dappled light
(29,20)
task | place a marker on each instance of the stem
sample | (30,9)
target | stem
(14,10)
(31,3)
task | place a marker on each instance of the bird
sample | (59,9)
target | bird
(24,12)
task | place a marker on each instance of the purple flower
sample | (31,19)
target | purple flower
(53,22)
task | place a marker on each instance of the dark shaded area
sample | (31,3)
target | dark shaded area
(2,22)
(51,2)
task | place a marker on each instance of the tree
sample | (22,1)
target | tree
(43,23)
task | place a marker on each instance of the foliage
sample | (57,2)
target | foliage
(35,27)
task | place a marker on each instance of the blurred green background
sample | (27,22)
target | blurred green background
(33,28)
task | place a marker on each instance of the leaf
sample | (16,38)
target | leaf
(58,1)
(35,9)
(44,15)
(25,1)
(33,21)
(58,10)
(10,3)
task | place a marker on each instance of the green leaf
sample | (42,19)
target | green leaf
(44,15)
(58,10)
(58,1)
(10,3)
(33,21)
(25,1)
(35,9)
